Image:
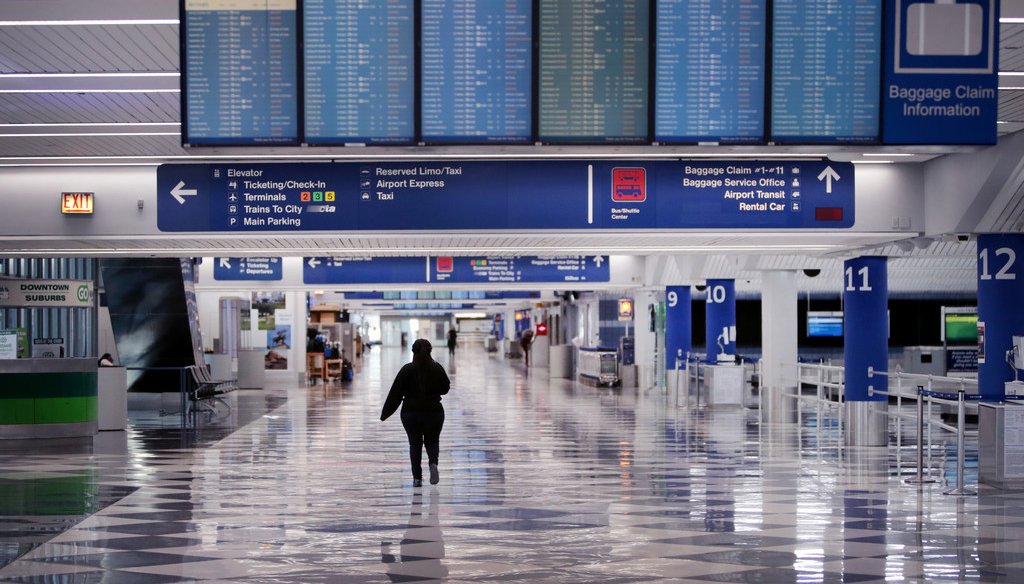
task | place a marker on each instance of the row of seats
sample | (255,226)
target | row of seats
(203,389)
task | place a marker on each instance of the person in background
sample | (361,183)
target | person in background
(418,388)
(106,360)
(452,341)
(525,341)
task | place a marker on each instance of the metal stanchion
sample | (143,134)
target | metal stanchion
(679,355)
(961,414)
(920,479)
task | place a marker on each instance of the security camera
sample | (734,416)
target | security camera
(963,237)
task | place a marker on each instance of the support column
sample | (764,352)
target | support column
(866,344)
(1000,318)
(779,298)
(721,320)
(678,334)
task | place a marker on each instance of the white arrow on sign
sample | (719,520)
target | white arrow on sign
(224,263)
(598,260)
(313,262)
(179,192)
(828,175)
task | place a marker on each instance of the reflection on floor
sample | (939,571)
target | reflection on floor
(541,481)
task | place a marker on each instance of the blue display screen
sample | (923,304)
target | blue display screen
(826,68)
(593,71)
(825,325)
(360,70)
(241,75)
(710,71)
(476,68)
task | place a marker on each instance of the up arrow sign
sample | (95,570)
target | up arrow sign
(313,262)
(224,263)
(179,192)
(598,260)
(828,175)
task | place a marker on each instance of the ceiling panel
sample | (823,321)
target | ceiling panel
(89,49)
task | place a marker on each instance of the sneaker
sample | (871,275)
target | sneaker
(417,482)
(434,477)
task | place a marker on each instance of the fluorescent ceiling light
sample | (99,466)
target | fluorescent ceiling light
(88,124)
(88,134)
(1011,73)
(873,161)
(1010,88)
(80,164)
(470,315)
(89,22)
(90,90)
(85,75)
(426,155)
(1009,20)
(887,154)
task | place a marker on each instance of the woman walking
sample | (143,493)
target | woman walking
(418,388)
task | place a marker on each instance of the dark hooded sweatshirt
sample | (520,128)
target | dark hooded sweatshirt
(418,388)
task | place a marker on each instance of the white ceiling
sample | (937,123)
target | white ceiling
(52,112)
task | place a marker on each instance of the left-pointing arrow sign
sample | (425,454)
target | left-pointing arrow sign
(313,262)
(179,192)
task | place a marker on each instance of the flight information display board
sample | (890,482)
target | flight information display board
(476,70)
(359,62)
(826,69)
(241,72)
(710,71)
(593,71)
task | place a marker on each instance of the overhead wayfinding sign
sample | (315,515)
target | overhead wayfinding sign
(508,269)
(267,269)
(941,72)
(747,194)
(449,269)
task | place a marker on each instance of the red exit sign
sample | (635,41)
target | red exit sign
(76,202)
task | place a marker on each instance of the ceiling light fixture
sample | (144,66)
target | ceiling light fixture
(87,124)
(87,134)
(165,90)
(89,22)
(86,75)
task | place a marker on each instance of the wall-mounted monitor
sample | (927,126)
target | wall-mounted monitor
(824,324)
(960,325)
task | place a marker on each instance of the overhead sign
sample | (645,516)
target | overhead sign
(941,72)
(46,293)
(511,269)
(397,270)
(264,269)
(557,195)
(76,203)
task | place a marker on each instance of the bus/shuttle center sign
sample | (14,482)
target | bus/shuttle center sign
(520,195)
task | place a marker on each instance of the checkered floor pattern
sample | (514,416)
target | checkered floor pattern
(542,480)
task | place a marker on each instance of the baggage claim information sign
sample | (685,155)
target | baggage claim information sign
(505,195)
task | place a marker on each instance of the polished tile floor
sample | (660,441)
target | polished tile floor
(541,481)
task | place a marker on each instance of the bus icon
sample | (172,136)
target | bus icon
(629,184)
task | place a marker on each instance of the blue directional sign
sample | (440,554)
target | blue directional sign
(941,72)
(560,195)
(510,269)
(397,270)
(263,269)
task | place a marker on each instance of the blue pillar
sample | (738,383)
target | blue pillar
(721,319)
(866,344)
(1000,314)
(678,326)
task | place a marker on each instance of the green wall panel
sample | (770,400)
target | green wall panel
(17,411)
(65,410)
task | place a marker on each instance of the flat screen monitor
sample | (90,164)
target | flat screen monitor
(240,71)
(824,324)
(476,68)
(593,71)
(960,328)
(360,72)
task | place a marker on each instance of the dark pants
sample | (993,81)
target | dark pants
(423,429)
